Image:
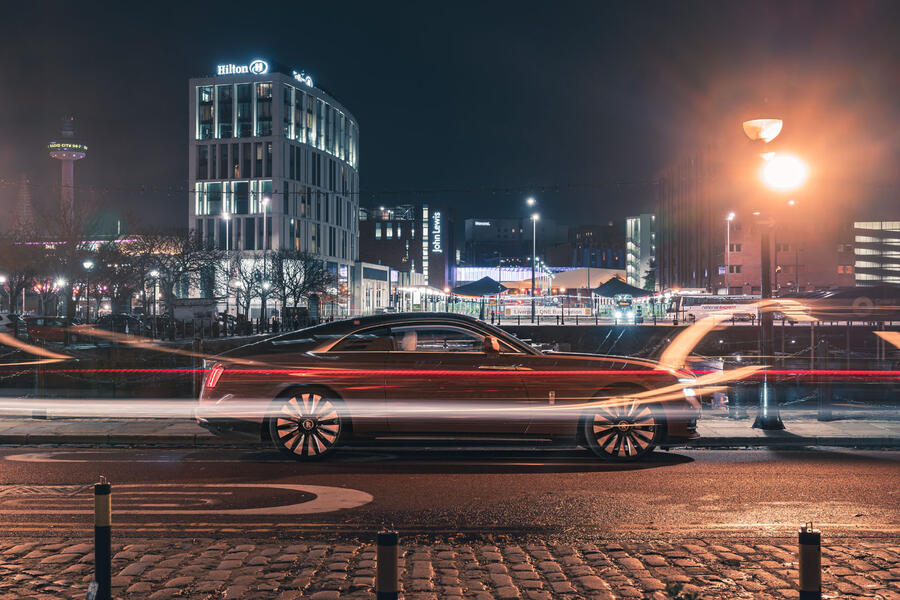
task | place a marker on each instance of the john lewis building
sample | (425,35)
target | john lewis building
(266,143)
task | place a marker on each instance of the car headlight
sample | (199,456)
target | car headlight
(688,392)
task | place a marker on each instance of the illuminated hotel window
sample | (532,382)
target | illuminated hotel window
(312,131)
(263,109)
(213,198)
(226,111)
(205,112)
(377,231)
(299,120)
(390,231)
(320,124)
(288,112)
(244,110)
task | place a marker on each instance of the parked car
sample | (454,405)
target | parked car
(47,329)
(424,374)
(8,323)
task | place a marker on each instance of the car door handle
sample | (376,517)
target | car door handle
(497,367)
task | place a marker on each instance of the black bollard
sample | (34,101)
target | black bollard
(810,563)
(387,566)
(102,539)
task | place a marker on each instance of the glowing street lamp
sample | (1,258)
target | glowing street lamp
(88,265)
(784,172)
(780,173)
(534,219)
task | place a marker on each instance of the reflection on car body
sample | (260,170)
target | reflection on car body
(439,375)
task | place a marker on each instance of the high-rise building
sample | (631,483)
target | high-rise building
(489,240)
(273,164)
(877,251)
(640,251)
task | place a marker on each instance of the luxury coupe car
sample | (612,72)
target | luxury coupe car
(440,376)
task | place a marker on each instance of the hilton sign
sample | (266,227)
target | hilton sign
(257,67)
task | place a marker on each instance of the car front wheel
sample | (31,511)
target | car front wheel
(307,425)
(622,429)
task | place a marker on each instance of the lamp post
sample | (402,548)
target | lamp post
(88,265)
(780,173)
(534,219)
(3,285)
(728,221)
(155,275)
(265,247)
(227,217)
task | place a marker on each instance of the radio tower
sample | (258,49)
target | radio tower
(67,151)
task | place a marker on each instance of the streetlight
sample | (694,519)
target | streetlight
(265,247)
(88,265)
(534,219)
(728,221)
(3,285)
(780,173)
(155,275)
(227,217)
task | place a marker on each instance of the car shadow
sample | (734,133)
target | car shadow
(429,460)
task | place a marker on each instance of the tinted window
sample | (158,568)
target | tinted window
(370,340)
(431,338)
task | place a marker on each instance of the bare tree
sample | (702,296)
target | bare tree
(298,275)
(245,279)
(181,259)
(21,262)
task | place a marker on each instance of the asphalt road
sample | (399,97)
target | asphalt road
(749,493)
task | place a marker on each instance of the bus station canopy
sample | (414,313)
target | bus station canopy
(483,287)
(616,286)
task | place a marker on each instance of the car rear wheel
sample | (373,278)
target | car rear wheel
(623,429)
(307,424)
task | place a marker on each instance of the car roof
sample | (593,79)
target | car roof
(342,327)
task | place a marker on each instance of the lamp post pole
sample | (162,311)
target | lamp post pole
(88,265)
(534,220)
(728,221)
(265,247)
(781,172)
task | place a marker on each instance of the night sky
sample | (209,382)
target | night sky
(471,104)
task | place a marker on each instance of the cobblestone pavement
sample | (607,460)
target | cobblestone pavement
(235,568)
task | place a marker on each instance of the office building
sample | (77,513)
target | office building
(640,251)
(877,252)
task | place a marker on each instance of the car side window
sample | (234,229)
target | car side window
(434,338)
(369,340)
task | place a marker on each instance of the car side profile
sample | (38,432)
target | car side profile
(440,376)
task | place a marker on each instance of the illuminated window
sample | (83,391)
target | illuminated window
(244,110)
(390,231)
(205,112)
(377,231)
(263,109)
(226,111)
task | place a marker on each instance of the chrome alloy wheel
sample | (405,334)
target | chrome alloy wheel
(306,425)
(624,430)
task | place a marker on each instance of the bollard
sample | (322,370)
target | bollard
(387,565)
(102,540)
(810,563)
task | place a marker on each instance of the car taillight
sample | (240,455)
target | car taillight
(213,378)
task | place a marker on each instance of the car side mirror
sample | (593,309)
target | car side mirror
(491,345)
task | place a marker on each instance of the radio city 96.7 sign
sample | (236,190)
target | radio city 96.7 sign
(257,67)
(436,244)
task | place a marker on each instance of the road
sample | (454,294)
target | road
(559,493)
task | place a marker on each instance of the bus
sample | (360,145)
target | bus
(693,307)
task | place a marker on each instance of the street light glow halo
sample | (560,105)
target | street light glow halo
(784,172)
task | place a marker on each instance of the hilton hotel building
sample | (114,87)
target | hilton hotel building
(266,143)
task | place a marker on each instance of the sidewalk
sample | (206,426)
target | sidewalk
(715,432)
